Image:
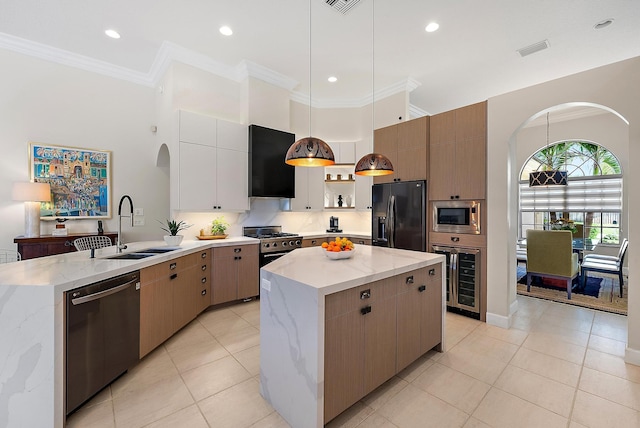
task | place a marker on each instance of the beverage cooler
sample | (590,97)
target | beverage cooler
(463,278)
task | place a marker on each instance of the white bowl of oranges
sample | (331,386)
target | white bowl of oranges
(340,248)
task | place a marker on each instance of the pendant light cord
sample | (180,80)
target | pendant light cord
(309,68)
(373,73)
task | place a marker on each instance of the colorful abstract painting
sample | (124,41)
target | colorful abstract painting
(80,180)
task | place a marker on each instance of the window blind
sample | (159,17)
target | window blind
(581,194)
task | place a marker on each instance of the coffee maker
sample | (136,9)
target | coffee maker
(333,225)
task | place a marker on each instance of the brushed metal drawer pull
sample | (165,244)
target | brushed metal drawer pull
(455,238)
(422,288)
(237,250)
(203,280)
(432,272)
(365,310)
(204,267)
(203,255)
(172,266)
(409,280)
(366,294)
(174,276)
(203,292)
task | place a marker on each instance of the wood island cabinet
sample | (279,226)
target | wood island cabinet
(235,273)
(171,296)
(48,245)
(406,145)
(375,330)
(458,153)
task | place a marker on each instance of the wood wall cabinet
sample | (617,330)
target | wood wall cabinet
(213,172)
(458,152)
(235,273)
(171,297)
(406,145)
(375,330)
(48,245)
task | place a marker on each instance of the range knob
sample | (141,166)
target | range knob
(266,245)
(292,244)
(284,243)
(275,244)
(298,243)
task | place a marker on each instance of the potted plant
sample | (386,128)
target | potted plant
(172,228)
(219,226)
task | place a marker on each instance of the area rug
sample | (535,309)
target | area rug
(608,298)
(592,287)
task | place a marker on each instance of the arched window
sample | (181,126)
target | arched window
(590,205)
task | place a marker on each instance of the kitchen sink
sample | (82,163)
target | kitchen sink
(132,256)
(142,254)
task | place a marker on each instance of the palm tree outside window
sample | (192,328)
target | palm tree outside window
(591,203)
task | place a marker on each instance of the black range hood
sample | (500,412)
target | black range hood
(269,176)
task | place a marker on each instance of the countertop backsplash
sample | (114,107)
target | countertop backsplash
(267,212)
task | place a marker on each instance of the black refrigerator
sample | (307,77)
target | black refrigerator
(399,217)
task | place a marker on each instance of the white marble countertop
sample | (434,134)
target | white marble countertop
(310,266)
(76,269)
(322,234)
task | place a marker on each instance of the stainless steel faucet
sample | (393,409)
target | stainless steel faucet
(119,245)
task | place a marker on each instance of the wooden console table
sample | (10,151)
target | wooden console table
(48,245)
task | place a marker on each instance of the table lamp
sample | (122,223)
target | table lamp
(32,194)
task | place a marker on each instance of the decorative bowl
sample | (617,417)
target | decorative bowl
(339,255)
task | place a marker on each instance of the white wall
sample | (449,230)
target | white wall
(616,86)
(54,104)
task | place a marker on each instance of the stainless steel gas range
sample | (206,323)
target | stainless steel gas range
(273,242)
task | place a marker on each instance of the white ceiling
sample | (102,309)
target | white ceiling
(470,58)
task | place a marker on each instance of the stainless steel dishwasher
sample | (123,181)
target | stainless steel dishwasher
(102,335)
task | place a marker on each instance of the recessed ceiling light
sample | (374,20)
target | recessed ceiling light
(431,27)
(332,79)
(603,24)
(112,33)
(226,30)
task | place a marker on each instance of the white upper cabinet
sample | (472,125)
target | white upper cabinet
(197,129)
(213,164)
(343,152)
(363,183)
(309,189)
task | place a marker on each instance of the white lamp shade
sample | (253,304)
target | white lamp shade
(31,192)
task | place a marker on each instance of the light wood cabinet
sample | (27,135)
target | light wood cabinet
(457,166)
(171,297)
(213,167)
(360,343)
(419,314)
(235,273)
(406,145)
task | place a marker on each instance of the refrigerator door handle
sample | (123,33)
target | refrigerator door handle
(453,277)
(391,221)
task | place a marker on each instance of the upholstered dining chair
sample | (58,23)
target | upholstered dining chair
(8,256)
(550,255)
(605,264)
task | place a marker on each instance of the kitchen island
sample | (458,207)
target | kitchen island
(32,323)
(331,331)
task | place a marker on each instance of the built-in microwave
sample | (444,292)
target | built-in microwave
(456,217)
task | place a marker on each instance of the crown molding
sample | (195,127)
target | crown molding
(405,85)
(64,57)
(416,112)
(170,52)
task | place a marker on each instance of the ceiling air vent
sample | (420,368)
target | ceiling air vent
(342,6)
(536,47)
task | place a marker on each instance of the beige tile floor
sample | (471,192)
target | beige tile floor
(559,366)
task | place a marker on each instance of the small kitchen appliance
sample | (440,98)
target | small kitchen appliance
(333,225)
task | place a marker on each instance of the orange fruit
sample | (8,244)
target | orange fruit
(325,245)
(336,249)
